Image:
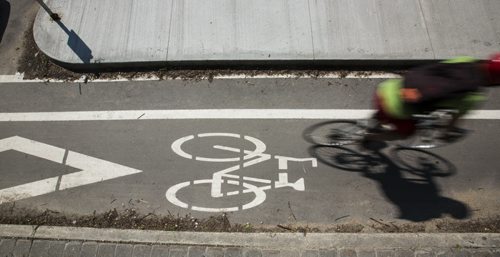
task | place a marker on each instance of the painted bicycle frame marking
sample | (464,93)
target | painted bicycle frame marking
(249,158)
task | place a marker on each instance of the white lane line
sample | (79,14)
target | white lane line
(333,75)
(236,114)
(188,114)
(484,115)
(19,77)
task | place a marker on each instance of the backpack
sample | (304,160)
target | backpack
(444,80)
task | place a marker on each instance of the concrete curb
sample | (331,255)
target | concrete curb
(257,240)
(296,64)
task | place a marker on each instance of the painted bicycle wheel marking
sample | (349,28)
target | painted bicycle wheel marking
(222,177)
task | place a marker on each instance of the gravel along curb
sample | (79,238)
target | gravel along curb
(257,240)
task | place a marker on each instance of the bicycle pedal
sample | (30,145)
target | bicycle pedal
(426,140)
(387,127)
(450,138)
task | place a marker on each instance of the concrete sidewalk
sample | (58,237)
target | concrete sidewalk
(157,32)
(66,241)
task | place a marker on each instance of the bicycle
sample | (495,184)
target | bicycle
(431,131)
(418,162)
(246,184)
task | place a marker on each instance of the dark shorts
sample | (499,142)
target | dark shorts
(405,127)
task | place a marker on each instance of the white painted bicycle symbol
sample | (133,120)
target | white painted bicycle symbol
(222,177)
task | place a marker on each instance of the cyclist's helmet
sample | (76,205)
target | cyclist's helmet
(493,66)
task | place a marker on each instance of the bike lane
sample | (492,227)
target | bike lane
(142,150)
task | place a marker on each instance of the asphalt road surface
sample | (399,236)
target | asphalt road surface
(232,145)
(15,19)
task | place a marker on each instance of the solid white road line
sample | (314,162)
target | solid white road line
(19,77)
(236,114)
(188,114)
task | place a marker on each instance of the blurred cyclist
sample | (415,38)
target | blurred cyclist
(454,84)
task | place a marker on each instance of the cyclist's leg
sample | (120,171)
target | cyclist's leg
(385,125)
(375,131)
(392,129)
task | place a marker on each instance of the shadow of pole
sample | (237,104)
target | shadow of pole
(75,43)
(4,17)
(52,15)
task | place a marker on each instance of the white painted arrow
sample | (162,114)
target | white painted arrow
(93,170)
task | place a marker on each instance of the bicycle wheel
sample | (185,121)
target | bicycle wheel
(344,158)
(335,133)
(422,163)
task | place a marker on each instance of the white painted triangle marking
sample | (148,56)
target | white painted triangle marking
(93,170)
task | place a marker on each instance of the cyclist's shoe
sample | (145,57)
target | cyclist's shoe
(376,127)
(452,135)
(366,144)
(371,145)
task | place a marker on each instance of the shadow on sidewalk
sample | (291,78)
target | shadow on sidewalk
(75,43)
(4,17)
(406,177)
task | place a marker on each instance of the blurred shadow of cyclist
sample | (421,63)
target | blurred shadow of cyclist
(455,84)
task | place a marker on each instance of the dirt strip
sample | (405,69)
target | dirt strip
(131,219)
